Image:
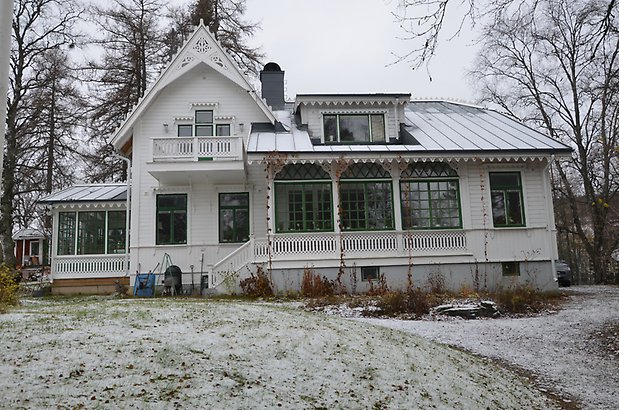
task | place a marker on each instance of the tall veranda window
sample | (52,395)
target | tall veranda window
(430,197)
(94,232)
(507,199)
(366,196)
(354,128)
(233,217)
(91,233)
(171,219)
(66,233)
(116,227)
(303,199)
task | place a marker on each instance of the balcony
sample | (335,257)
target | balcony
(179,160)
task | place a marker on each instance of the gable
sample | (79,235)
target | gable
(200,50)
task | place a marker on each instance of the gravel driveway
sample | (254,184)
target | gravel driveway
(574,352)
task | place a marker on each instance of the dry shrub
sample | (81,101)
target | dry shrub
(380,288)
(314,285)
(412,302)
(436,283)
(257,285)
(524,299)
(8,288)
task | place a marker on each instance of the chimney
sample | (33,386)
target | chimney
(272,79)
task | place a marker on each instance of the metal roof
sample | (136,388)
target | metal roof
(28,233)
(440,127)
(89,193)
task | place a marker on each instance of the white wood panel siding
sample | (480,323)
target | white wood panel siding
(312,116)
(534,195)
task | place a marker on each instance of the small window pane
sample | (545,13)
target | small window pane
(66,233)
(223,130)
(185,130)
(370,273)
(354,128)
(378,128)
(204,130)
(330,128)
(204,117)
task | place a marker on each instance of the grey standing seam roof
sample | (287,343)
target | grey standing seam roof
(438,126)
(89,193)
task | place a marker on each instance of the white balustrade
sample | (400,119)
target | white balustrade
(85,266)
(434,241)
(370,242)
(197,148)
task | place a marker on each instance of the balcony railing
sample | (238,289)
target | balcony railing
(197,148)
(84,266)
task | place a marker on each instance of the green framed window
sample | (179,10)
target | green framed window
(185,130)
(233,217)
(91,233)
(66,233)
(507,199)
(353,128)
(303,206)
(116,224)
(171,219)
(430,204)
(204,123)
(366,205)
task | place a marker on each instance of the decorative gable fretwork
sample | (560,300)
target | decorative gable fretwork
(202,46)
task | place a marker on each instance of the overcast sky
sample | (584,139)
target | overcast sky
(333,46)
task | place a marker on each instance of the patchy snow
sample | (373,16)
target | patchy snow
(165,353)
(563,350)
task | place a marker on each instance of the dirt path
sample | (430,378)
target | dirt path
(574,351)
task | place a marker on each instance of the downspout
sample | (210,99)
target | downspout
(550,226)
(128,210)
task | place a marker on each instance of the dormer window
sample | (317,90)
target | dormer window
(204,126)
(354,128)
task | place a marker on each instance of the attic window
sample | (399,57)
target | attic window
(354,128)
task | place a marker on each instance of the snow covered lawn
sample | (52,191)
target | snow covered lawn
(573,351)
(164,353)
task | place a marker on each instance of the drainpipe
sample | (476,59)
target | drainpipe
(127,212)
(551,218)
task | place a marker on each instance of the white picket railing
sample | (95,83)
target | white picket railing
(197,148)
(85,266)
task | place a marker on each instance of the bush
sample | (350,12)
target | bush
(523,299)
(257,285)
(413,302)
(314,285)
(8,288)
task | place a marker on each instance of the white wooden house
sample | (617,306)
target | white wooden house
(367,184)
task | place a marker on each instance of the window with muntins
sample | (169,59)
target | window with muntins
(171,219)
(203,126)
(366,197)
(353,128)
(66,233)
(430,197)
(233,217)
(303,199)
(507,199)
(116,226)
(91,233)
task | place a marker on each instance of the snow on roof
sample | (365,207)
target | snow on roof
(89,193)
(28,233)
(438,126)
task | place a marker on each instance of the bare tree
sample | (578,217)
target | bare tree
(131,41)
(555,64)
(38,27)
(423,21)
(225,20)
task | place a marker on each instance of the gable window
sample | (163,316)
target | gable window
(203,126)
(303,199)
(430,197)
(171,219)
(354,128)
(507,199)
(233,217)
(366,197)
